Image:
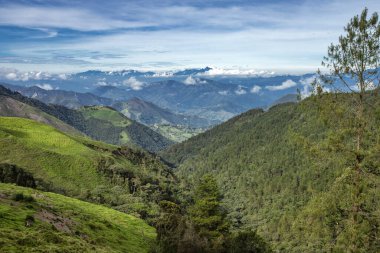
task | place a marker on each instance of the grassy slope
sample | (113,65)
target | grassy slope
(107,114)
(63,224)
(176,133)
(10,107)
(128,180)
(58,159)
(109,125)
(275,181)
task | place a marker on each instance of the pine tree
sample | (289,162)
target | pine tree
(207,215)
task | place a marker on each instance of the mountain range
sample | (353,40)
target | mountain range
(210,93)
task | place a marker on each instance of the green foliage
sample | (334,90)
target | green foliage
(54,223)
(275,167)
(176,133)
(207,215)
(170,227)
(40,156)
(98,122)
(246,242)
(108,125)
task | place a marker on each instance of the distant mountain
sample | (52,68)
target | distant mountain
(210,99)
(188,72)
(150,114)
(69,99)
(112,92)
(216,96)
(100,123)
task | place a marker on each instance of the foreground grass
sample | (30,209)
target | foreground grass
(35,221)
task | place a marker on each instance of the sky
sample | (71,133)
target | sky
(70,35)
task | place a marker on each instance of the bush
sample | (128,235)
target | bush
(246,242)
(22,197)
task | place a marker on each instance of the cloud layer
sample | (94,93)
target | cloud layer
(69,35)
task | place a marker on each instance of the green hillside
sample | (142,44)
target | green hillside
(128,180)
(35,221)
(285,172)
(108,125)
(176,133)
(98,122)
(10,107)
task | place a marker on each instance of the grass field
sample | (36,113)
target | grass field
(53,156)
(106,114)
(35,221)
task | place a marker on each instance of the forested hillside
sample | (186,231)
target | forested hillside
(285,172)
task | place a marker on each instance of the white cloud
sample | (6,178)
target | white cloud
(64,17)
(45,86)
(255,89)
(193,81)
(201,35)
(285,85)
(133,83)
(236,72)
(223,92)
(240,90)
(307,89)
(102,83)
(11,76)
(16,75)
(63,76)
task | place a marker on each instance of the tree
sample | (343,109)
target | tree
(207,215)
(246,242)
(170,227)
(354,67)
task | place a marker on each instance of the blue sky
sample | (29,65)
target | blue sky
(70,36)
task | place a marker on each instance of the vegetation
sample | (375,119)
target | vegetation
(202,225)
(35,221)
(98,122)
(279,171)
(176,133)
(305,175)
(128,180)
(108,125)
(207,215)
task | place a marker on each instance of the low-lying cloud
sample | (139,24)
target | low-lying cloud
(285,85)
(255,89)
(133,83)
(190,80)
(45,86)
(240,90)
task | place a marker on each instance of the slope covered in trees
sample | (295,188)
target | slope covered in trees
(285,172)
